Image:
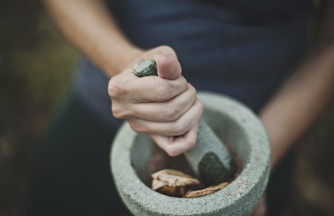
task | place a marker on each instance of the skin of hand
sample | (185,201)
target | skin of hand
(89,26)
(164,106)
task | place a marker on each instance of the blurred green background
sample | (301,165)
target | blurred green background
(36,71)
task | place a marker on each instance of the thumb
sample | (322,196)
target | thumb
(167,63)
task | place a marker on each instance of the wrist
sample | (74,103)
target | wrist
(118,58)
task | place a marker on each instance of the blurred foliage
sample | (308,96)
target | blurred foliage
(314,191)
(36,64)
(36,71)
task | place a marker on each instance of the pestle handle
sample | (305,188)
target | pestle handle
(209,158)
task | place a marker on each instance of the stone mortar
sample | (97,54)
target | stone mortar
(235,125)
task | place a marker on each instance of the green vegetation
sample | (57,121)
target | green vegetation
(36,70)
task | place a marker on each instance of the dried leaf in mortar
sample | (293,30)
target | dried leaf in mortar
(172,182)
(205,191)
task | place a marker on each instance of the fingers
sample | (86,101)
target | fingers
(175,146)
(164,106)
(175,128)
(168,84)
(145,89)
(166,111)
(168,64)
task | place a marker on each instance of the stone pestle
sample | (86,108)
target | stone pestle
(209,158)
(247,138)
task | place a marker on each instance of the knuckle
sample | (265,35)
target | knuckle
(193,91)
(172,112)
(200,107)
(178,128)
(171,151)
(115,90)
(135,126)
(116,111)
(190,144)
(164,91)
(120,112)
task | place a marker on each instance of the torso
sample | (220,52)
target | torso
(236,47)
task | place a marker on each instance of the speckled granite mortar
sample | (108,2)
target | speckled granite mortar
(234,124)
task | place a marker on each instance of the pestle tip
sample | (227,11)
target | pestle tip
(212,171)
(146,68)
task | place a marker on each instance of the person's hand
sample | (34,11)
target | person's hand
(164,106)
(261,208)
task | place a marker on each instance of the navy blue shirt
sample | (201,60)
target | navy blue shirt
(241,48)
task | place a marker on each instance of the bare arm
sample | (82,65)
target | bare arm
(302,98)
(89,26)
(163,107)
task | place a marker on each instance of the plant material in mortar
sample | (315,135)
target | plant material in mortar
(179,184)
(205,191)
(172,182)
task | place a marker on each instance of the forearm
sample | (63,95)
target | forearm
(298,103)
(88,25)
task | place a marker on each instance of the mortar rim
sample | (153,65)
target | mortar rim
(129,184)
